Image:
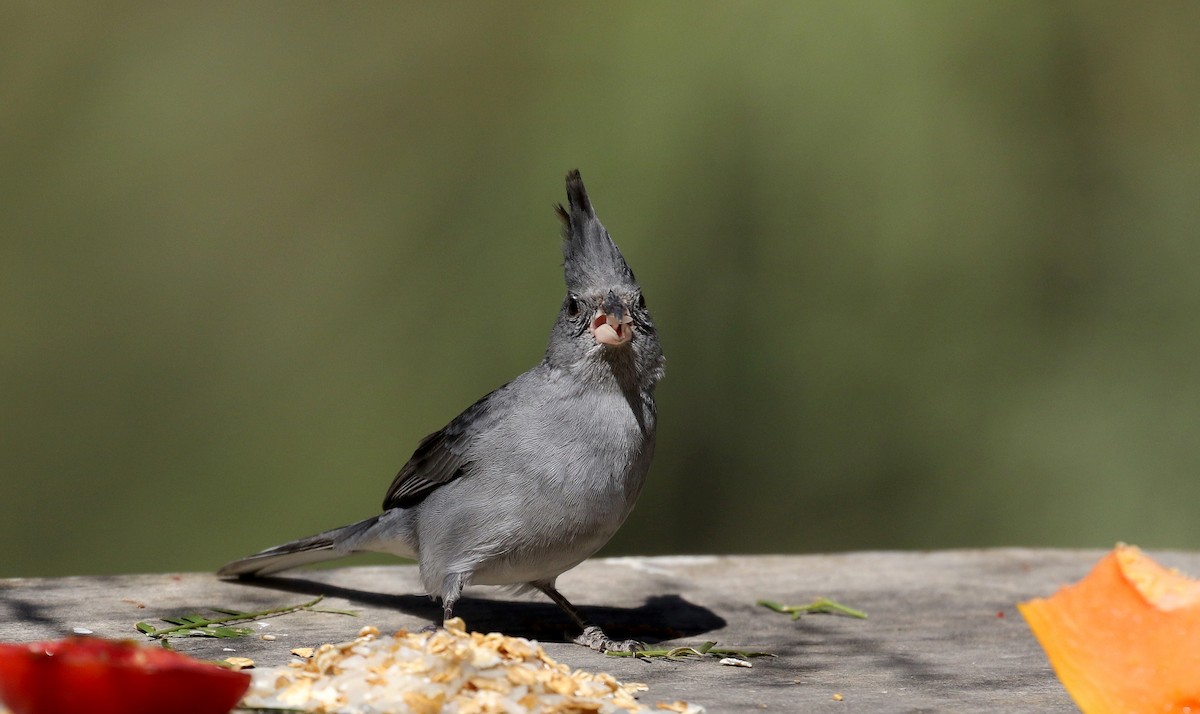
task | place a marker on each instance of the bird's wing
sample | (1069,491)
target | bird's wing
(441,457)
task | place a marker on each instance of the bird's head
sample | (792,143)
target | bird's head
(603,317)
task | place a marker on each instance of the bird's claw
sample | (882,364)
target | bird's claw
(593,637)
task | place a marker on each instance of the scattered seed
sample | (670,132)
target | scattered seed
(239,662)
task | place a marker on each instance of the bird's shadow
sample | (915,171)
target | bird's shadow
(659,618)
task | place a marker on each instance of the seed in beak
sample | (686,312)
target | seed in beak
(608,330)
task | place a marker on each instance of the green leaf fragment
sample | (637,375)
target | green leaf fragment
(820,605)
(226,631)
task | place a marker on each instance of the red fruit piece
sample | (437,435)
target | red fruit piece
(87,674)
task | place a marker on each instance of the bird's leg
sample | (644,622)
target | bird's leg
(452,587)
(592,636)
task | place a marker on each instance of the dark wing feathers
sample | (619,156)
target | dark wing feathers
(440,457)
(431,465)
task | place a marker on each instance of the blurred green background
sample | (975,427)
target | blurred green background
(926,273)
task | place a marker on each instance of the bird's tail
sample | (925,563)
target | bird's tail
(329,545)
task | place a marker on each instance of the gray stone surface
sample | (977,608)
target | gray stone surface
(943,633)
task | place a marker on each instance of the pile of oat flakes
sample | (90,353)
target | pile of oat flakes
(449,670)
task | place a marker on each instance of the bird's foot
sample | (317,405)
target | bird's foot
(595,638)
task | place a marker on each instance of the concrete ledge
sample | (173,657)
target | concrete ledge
(943,632)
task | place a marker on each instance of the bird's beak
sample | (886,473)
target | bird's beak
(612,324)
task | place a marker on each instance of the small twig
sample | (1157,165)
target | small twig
(196,624)
(820,605)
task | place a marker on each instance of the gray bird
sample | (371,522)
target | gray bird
(536,476)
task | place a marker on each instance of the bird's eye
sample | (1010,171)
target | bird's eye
(572,306)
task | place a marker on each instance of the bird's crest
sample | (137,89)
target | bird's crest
(591,260)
